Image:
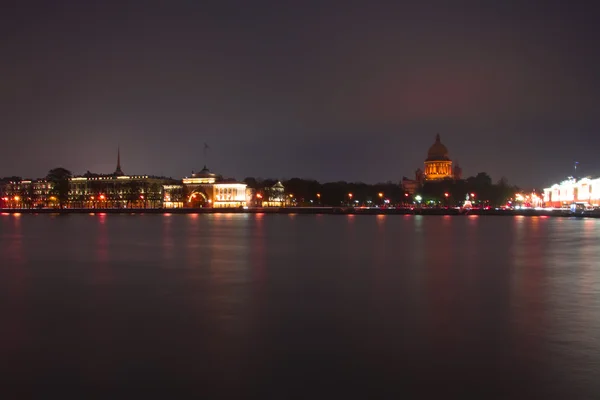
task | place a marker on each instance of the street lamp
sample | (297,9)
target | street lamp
(446,195)
(380,195)
(418,199)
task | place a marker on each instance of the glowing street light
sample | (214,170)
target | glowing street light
(418,198)
(380,195)
(318,195)
(102,197)
(472,194)
(446,194)
(350,195)
(17,198)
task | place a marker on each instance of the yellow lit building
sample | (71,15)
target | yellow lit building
(205,189)
(438,165)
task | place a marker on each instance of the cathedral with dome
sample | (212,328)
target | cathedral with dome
(438,165)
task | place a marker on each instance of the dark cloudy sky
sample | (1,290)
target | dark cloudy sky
(327,90)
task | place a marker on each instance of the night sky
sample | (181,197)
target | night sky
(326,90)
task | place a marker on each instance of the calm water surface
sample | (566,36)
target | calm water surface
(284,306)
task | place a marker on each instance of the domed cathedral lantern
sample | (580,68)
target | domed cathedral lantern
(438,165)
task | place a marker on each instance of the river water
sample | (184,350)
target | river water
(299,306)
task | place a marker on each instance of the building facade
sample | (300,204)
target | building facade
(205,189)
(571,190)
(27,193)
(438,165)
(116,191)
(274,196)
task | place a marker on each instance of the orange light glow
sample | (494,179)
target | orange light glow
(446,194)
(17,198)
(101,197)
(258,196)
(319,195)
(472,194)
(380,194)
(350,195)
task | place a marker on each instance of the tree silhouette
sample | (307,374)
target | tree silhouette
(60,180)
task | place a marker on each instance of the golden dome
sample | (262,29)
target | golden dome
(437,152)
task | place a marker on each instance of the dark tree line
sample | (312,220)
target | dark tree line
(446,192)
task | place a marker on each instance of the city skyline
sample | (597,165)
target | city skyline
(320,91)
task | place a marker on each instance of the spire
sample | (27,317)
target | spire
(118,171)
(437,138)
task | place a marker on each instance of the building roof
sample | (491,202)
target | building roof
(204,173)
(437,152)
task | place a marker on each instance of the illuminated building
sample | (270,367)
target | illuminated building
(116,190)
(26,193)
(527,200)
(274,196)
(571,190)
(437,165)
(205,189)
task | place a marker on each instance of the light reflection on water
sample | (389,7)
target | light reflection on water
(493,306)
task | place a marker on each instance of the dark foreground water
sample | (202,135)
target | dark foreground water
(277,306)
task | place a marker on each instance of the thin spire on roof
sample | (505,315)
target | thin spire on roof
(118,171)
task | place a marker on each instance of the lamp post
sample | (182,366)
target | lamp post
(418,198)
(319,198)
(349,199)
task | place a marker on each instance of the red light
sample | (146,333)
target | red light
(142,197)
(446,194)
(405,194)
(102,197)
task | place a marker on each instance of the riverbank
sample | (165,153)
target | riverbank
(310,210)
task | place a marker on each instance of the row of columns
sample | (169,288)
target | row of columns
(441,168)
